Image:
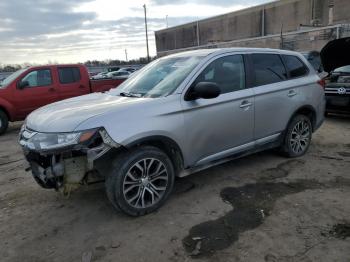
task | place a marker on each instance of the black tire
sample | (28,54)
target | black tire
(294,144)
(4,122)
(120,178)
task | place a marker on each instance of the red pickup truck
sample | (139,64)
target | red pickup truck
(33,87)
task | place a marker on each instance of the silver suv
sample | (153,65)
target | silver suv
(178,115)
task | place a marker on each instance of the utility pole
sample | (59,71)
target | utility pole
(197,33)
(166,19)
(144,7)
(126,55)
(281,36)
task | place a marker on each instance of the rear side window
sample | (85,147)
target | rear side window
(69,75)
(268,69)
(295,67)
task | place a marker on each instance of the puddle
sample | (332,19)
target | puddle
(251,204)
(341,231)
(281,170)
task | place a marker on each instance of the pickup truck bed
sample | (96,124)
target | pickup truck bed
(103,85)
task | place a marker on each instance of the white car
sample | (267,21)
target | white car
(121,74)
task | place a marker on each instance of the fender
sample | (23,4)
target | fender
(165,143)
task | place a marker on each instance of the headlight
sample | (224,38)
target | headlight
(47,141)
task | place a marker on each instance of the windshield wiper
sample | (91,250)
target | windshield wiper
(129,94)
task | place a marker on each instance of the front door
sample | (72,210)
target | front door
(224,125)
(40,91)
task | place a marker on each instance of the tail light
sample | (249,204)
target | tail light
(322,83)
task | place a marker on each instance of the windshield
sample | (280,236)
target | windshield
(159,78)
(11,77)
(343,69)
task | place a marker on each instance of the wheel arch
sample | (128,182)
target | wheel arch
(307,110)
(7,108)
(2,108)
(167,145)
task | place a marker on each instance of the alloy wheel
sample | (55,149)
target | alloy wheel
(145,183)
(300,137)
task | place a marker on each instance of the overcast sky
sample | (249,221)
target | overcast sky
(69,31)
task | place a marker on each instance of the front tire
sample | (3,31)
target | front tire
(4,122)
(140,181)
(298,136)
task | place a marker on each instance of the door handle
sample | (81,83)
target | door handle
(52,89)
(245,104)
(81,86)
(292,93)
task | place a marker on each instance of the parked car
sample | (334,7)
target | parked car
(113,69)
(335,58)
(92,74)
(101,75)
(33,87)
(128,69)
(176,116)
(121,74)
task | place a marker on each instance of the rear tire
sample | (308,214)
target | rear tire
(298,136)
(140,181)
(4,122)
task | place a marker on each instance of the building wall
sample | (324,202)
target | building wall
(287,17)
(269,19)
(306,40)
(341,11)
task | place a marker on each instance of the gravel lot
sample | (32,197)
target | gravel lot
(260,208)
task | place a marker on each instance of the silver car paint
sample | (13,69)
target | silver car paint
(205,130)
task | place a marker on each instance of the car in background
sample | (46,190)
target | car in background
(336,62)
(128,69)
(113,69)
(113,74)
(179,114)
(30,88)
(121,74)
(101,75)
(314,58)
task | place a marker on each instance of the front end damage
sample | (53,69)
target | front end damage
(66,166)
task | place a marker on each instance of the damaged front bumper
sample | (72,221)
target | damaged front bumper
(67,167)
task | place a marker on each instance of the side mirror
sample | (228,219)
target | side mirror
(23,84)
(205,90)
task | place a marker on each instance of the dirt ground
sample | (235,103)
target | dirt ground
(259,208)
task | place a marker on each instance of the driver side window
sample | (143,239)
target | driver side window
(38,78)
(227,72)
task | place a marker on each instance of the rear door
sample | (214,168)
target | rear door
(276,91)
(71,82)
(224,125)
(40,91)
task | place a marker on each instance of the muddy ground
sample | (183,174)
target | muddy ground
(260,208)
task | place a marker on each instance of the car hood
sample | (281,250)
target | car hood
(336,54)
(66,115)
